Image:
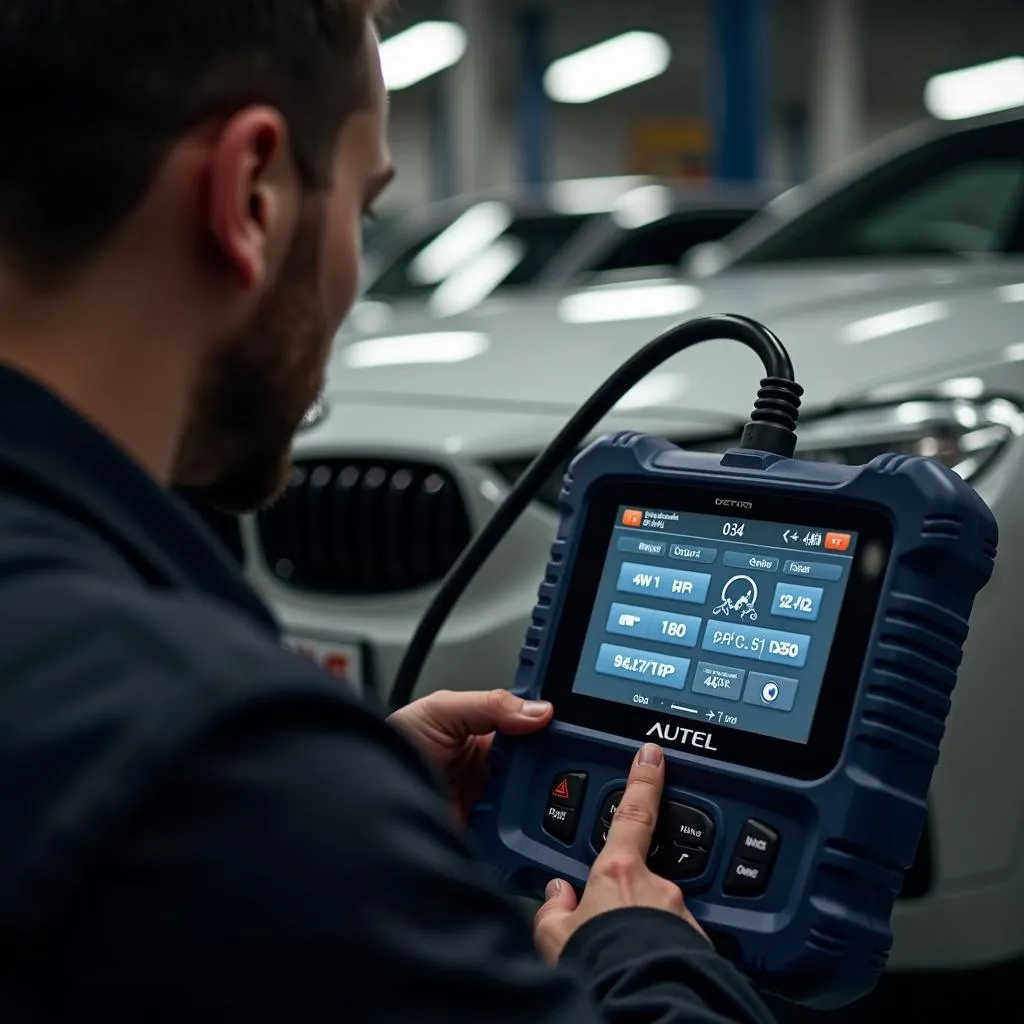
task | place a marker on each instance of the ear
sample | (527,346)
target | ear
(252,195)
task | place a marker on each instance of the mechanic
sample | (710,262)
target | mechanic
(196,823)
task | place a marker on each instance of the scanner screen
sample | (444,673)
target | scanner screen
(719,620)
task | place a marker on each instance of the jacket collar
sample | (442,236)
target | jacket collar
(49,452)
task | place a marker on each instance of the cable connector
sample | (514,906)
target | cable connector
(772,426)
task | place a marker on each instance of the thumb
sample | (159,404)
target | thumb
(487,711)
(558,895)
(559,902)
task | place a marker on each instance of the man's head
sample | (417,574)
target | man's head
(235,145)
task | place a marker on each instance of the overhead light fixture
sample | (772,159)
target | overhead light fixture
(982,89)
(610,66)
(423,50)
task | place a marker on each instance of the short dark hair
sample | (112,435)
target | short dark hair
(94,94)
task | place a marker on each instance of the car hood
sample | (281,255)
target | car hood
(844,329)
(848,331)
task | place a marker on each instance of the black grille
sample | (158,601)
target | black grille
(362,526)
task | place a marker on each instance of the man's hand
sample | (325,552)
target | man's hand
(455,732)
(619,877)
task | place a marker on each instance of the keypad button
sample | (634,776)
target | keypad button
(681,862)
(746,878)
(757,842)
(610,806)
(567,789)
(561,823)
(686,826)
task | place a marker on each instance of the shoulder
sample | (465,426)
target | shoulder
(106,688)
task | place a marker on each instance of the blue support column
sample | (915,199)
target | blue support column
(533,109)
(739,86)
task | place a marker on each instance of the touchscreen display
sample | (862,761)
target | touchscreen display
(715,619)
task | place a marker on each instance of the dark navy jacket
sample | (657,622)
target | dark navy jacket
(195,824)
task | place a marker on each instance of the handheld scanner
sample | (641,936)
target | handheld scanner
(789,632)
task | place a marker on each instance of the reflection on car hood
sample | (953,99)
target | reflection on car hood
(847,331)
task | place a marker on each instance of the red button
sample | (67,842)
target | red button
(837,541)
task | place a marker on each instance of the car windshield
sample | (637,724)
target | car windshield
(664,243)
(515,249)
(961,195)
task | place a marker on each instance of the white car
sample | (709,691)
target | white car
(556,236)
(897,286)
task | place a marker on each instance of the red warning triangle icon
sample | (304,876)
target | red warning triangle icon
(561,790)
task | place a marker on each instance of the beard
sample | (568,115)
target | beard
(255,390)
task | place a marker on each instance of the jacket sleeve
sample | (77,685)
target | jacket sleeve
(297,866)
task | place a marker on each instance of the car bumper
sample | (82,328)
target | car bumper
(971,913)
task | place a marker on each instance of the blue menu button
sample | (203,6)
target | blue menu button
(747,560)
(755,643)
(642,666)
(718,681)
(689,553)
(813,570)
(793,602)
(766,691)
(634,545)
(671,584)
(681,630)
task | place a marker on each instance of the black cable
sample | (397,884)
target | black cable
(771,428)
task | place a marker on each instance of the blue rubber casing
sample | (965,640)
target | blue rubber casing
(821,934)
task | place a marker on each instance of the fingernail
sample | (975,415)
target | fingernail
(535,708)
(554,887)
(650,755)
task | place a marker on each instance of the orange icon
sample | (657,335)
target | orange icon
(632,517)
(837,541)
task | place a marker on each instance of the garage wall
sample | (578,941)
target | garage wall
(905,41)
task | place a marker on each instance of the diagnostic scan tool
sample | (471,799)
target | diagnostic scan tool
(789,632)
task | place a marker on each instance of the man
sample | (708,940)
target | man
(196,825)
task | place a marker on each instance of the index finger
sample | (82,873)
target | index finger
(633,823)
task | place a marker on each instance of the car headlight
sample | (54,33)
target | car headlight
(964,434)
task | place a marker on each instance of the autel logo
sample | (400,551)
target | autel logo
(682,735)
(733,503)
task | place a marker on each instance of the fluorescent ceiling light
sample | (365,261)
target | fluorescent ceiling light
(438,347)
(463,239)
(610,66)
(884,324)
(982,89)
(472,283)
(425,49)
(629,302)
